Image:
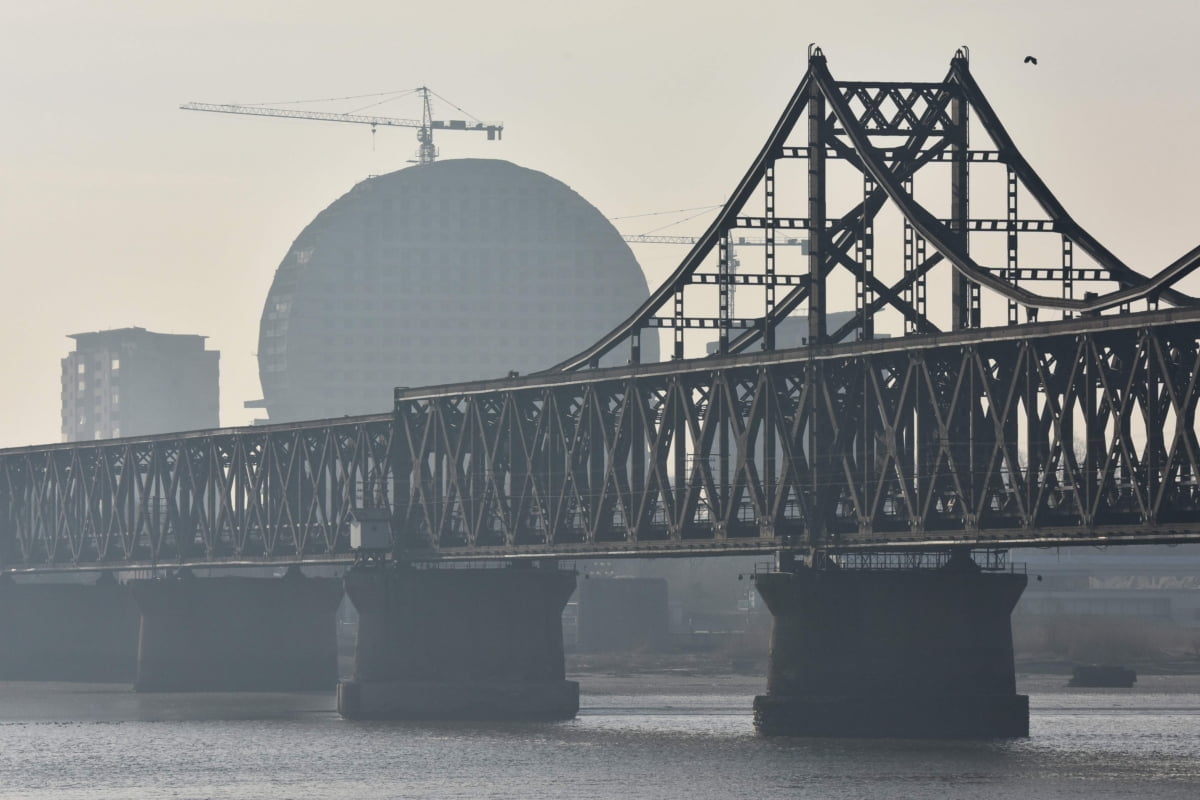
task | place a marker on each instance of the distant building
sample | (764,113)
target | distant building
(453,271)
(132,382)
(1145,581)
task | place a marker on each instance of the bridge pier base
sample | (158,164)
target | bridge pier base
(232,634)
(67,631)
(904,653)
(478,644)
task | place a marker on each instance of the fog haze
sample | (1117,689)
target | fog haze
(117,209)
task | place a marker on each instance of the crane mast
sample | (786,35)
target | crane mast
(427,152)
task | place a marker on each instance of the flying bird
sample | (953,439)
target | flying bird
(1031,60)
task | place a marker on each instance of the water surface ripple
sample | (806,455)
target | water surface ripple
(653,736)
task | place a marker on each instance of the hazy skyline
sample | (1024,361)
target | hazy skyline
(118,209)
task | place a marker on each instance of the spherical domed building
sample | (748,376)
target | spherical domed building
(452,271)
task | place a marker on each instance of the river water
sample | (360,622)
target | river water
(649,736)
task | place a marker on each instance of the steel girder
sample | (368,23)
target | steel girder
(237,496)
(1079,433)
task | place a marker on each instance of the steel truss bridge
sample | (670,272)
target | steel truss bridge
(1069,418)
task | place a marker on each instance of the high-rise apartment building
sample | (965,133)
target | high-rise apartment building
(133,382)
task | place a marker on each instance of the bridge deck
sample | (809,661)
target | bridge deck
(1081,431)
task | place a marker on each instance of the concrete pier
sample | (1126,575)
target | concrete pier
(237,634)
(904,653)
(478,644)
(84,632)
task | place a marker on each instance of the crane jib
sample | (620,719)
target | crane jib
(426,124)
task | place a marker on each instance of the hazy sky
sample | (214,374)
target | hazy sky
(117,209)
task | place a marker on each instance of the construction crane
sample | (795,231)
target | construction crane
(736,241)
(427,153)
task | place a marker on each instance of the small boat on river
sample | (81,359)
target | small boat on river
(1103,676)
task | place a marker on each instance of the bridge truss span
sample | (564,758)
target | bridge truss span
(1080,431)
(238,496)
